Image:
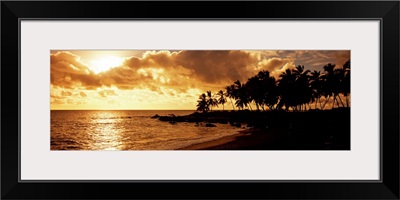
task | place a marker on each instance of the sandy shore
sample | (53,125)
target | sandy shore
(249,139)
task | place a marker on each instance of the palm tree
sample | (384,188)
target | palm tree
(287,90)
(296,89)
(346,82)
(202,104)
(211,101)
(267,90)
(222,98)
(230,94)
(240,95)
(342,76)
(328,83)
(303,89)
(271,96)
(255,92)
(316,84)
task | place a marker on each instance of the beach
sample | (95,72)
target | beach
(248,139)
(273,139)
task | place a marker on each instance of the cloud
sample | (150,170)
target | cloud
(82,94)
(342,57)
(275,65)
(184,70)
(105,93)
(56,99)
(217,66)
(66,93)
(69,72)
(316,59)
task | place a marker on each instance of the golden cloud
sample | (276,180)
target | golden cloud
(183,70)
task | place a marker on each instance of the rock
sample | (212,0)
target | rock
(172,122)
(210,125)
(155,116)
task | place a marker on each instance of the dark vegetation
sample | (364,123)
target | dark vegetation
(295,90)
(292,107)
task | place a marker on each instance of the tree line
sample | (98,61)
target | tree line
(295,89)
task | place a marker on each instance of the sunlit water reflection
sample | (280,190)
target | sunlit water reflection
(127,130)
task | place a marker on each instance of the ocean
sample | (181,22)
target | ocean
(128,130)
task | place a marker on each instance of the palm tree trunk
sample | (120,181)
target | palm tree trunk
(337,102)
(316,103)
(320,103)
(340,100)
(223,107)
(326,101)
(233,107)
(347,102)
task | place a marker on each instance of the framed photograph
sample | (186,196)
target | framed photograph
(114,99)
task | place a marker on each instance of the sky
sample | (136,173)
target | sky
(164,80)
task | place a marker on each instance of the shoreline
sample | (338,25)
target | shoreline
(271,139)
(313,130)
(249,139)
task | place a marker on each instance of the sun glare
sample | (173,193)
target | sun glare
(105,63)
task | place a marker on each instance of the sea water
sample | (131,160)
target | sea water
(128,130)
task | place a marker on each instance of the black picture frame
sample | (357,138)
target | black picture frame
(13,11)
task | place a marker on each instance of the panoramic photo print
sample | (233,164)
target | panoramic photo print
(200,100)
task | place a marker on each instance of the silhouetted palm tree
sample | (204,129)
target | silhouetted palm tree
(303,88)
(316,85)
(255,92)
(328,83)
(222,98)
(346,82)
(230,94)
(342,78)
(211,101)
(240,95)
(340,74)
(202,104)
(267,89)
(287,90)
(295,90)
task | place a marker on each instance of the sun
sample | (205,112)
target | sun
(105,63)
